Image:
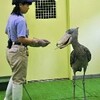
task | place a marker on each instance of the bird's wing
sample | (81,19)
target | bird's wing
(72,58)
(88,53)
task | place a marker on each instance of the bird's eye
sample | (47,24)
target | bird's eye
(69,32)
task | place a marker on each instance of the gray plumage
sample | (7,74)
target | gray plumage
(79,57)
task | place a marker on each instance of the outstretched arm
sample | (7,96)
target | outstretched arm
(33,42)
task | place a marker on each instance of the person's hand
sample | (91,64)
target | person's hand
(43,42)
(39,43)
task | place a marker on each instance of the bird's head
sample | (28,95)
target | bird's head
(69,37)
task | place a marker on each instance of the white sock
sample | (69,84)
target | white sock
(8,95)
(17,91)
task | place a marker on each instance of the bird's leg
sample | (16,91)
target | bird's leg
(74,85)
(84,83)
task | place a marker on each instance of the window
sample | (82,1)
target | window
(45,9)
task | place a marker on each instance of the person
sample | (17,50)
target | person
(17,51)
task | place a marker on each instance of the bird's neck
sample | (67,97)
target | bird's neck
(75,45)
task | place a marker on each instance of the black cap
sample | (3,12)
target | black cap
(15,2)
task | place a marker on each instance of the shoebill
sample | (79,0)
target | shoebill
(79,57)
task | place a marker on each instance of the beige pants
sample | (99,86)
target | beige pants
(17,58)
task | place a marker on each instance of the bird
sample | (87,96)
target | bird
(79,57)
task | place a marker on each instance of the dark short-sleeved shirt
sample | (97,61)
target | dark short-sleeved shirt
(16,27)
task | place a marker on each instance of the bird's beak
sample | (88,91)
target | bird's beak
(64,41)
